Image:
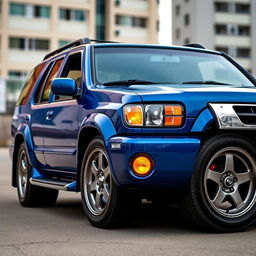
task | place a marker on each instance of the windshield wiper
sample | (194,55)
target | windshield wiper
(129,82)
(205,82)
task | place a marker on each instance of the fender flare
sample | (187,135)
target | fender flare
(203,121)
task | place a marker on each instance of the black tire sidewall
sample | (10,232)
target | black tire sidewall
(29,168)
(105,217)
(216,220)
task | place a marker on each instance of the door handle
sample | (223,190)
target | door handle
(49,115)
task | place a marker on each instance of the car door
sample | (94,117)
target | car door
(40,107)
(61,127)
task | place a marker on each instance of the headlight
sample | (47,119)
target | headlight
(154,115)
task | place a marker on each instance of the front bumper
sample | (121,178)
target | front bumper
(174,159)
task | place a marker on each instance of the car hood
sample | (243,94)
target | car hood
(194,97)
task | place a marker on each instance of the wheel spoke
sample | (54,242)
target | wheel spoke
(220,196)
(243,177)
(94,168)
(229,163)
(214,176)
(98,200)
(100,161)
(105,194)
(106,171)
(93,186)
(236,198)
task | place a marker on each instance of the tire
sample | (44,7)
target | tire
(222,192)
(105,204)
(28,194)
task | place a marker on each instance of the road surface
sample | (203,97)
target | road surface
(64,230)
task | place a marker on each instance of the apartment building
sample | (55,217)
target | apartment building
(223,25)
(31,28)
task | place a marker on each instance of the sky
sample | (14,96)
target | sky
(165,13)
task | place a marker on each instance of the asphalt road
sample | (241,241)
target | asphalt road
(64,230)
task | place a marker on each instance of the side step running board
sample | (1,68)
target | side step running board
(54,184)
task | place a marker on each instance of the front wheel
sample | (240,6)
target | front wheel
(105,204)
(222,193)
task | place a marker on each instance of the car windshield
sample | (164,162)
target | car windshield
(124,65)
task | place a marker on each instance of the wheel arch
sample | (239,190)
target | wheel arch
(96,125)
(23,135)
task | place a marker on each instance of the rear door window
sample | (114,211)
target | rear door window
(47,85)
(29,85)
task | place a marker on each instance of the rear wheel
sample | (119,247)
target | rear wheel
(105,204)
(28,194)
(222,193)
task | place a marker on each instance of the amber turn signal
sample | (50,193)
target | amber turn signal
(175,110)
(133,115)
(142,165)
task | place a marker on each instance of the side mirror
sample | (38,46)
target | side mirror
(64,86)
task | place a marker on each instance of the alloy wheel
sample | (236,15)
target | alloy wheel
(229,182)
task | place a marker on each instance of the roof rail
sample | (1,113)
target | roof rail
(195,46)
(80,41)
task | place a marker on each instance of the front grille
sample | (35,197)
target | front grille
(247,114)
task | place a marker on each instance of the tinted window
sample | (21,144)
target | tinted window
(161,65)
(72,70)
(48,83)
(29,85)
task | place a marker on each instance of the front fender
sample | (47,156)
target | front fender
(203,121)
(103,124)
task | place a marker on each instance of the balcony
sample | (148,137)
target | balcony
(130,34)
(77,1)
(223,40)
(30,58)
(74,27)
(137,5)
(243,19)
(24,23)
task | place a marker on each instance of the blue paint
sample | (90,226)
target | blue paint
(51,130)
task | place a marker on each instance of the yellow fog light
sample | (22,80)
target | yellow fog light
(142,165)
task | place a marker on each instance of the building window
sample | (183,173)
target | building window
(222,49)
(41,11)
(75,15)
(117,2)
(17,9)
(28,43)
(244,30)
(221,7)
(131,21)
(242,8)
(177,33)
(220,29)
(177,10)
(28,10)
(63,42)
(158,26)
(243,53)
(187,41)
(186,19)
(17,74)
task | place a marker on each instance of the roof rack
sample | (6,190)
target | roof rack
(78,42)
(195,46)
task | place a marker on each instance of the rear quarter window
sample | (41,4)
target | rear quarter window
(29,85)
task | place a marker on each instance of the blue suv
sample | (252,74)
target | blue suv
(125,122)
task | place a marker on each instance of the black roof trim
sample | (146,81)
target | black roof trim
(78,42)
(195,46)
